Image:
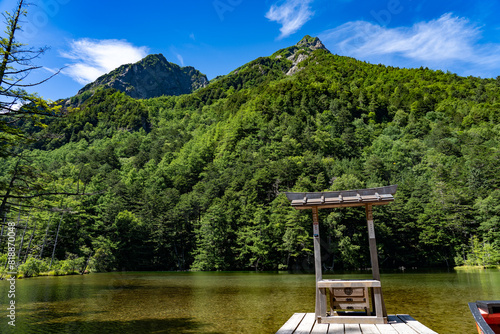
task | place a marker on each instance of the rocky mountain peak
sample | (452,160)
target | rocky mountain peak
(300,52)
(312,43)
(303,50)
(150,77)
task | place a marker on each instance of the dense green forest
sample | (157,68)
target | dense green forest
(196,182)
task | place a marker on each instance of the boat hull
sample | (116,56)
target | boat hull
(487,316)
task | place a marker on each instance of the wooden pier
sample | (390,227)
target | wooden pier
(305,323)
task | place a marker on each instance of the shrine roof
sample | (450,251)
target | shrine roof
(342,198)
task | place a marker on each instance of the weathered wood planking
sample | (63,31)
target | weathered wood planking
(320,329)
(352,329)
(386,329)
(336,283)
(305,323)
(369,329)
(400,326)
(336,329)
(417,326)
(291,325)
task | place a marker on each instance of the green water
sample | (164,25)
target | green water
(225,302)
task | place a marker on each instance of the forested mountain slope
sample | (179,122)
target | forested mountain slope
(195,181)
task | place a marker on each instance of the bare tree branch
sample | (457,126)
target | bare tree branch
(55,193)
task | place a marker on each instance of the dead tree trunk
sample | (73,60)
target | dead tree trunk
(16,227)
(55,242)
(22,238)
(3,205)
(29,244)
(86,263)
(1,234)
(45,239)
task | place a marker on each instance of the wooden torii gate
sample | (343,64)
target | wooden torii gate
(347,294)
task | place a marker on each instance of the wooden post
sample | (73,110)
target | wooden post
(320,308)
(379,300)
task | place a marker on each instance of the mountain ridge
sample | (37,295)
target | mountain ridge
(300,52)
(280,64)
(152,76)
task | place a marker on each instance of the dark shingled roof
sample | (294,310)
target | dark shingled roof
(343,198)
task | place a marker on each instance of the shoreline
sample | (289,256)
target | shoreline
(476,267)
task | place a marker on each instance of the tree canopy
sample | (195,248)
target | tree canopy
(196,181)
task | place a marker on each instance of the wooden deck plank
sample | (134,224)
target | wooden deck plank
(386,328)
(306,324)
(291,325)
(399,325)
(352,329)
(320,328)
(417,326)
(336,329)
(353,319)
(369,329)
(333,283)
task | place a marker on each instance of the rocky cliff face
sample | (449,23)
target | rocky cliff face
(153,76)
(303,50)
(300,52)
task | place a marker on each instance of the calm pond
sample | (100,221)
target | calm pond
(225,302)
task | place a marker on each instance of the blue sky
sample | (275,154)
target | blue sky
(93,37)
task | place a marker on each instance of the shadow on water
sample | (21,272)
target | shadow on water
(156,326)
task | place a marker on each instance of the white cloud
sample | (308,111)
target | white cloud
(445,41)
(445,38)
(93,58)
(291,14)
(179,57)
